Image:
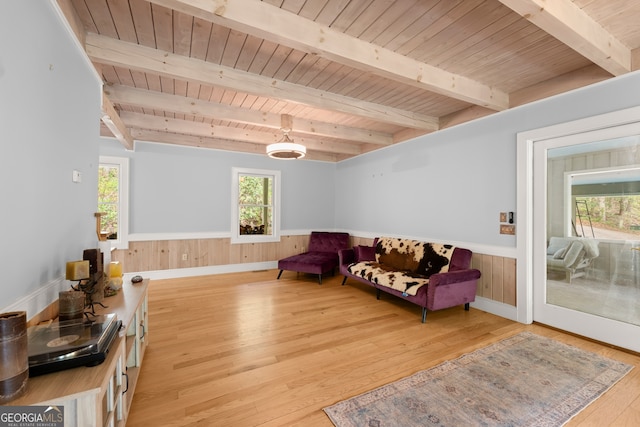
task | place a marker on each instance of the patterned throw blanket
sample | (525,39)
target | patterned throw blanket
(404,264)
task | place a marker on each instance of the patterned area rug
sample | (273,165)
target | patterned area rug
(524,380)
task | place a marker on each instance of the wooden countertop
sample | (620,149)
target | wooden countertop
(87,380)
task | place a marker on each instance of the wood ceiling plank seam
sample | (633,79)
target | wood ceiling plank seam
(167,85)
(338,74)
(329,71)
(217,42)
(205,92)
(193,90)
(293,6)
(201,35)
(163,27)
(387,19)
(82,11)
(368,17)
(101,16)
(422,23)
(343,81)
(262,57)
(307,9)
(331,10)
(248,53)
(478,40)
(304,71)
(317,75)
(153,82)
(109,74)
(217,94)
(139,79)
(122,20)
(238,99)
(495,43)
(232,49)
(182,33)
(515,48)
(395,29)
(289,64)
(275,61)
(466,26)
(444,21)
(349,13)
(143,22)
(180,87)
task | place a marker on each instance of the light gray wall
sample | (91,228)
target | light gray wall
(178,189)
(49,110)
(451,185)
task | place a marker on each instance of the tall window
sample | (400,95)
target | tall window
(113,190)
(255,206)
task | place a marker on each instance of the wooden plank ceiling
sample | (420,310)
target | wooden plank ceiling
(355,75)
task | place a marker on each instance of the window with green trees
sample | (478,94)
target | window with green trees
(255,205)
(113,199)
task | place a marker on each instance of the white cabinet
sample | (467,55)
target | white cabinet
(100,395)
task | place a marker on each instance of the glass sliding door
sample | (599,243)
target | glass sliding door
(586,234)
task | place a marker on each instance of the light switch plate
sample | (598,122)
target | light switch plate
(503,217)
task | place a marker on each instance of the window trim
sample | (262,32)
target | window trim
(236,237)
(122,242)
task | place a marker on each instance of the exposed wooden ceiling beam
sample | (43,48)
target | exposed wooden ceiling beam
(112,120)
(114,52)
(165,124)
(564,20)
(217,144)
(263,20)
(143,98)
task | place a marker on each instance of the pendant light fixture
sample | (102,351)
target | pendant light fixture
(286,149)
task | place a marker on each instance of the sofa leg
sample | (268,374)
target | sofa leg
(319,279)
(466,306)
(377,293)
(424,315)
(344,280)
(279,274)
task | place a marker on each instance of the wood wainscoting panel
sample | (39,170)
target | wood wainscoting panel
(171,254)
(498,280)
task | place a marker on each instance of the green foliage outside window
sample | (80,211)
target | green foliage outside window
(617,213)
(108,193)
(256,204)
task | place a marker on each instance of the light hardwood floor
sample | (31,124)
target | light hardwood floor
(246,349)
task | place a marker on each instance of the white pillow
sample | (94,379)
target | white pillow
(559,254)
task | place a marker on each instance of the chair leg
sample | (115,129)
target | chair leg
(344,280)
(279,274)
(466,306)
(424,315)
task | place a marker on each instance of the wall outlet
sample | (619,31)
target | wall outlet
(507,229)
(185,257)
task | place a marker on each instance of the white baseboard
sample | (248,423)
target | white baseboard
(204,271)
(494,307)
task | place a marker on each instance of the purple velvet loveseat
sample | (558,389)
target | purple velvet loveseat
(321,257)
(430,275)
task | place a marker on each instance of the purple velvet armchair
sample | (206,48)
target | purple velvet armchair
(321,257)
(456,286)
